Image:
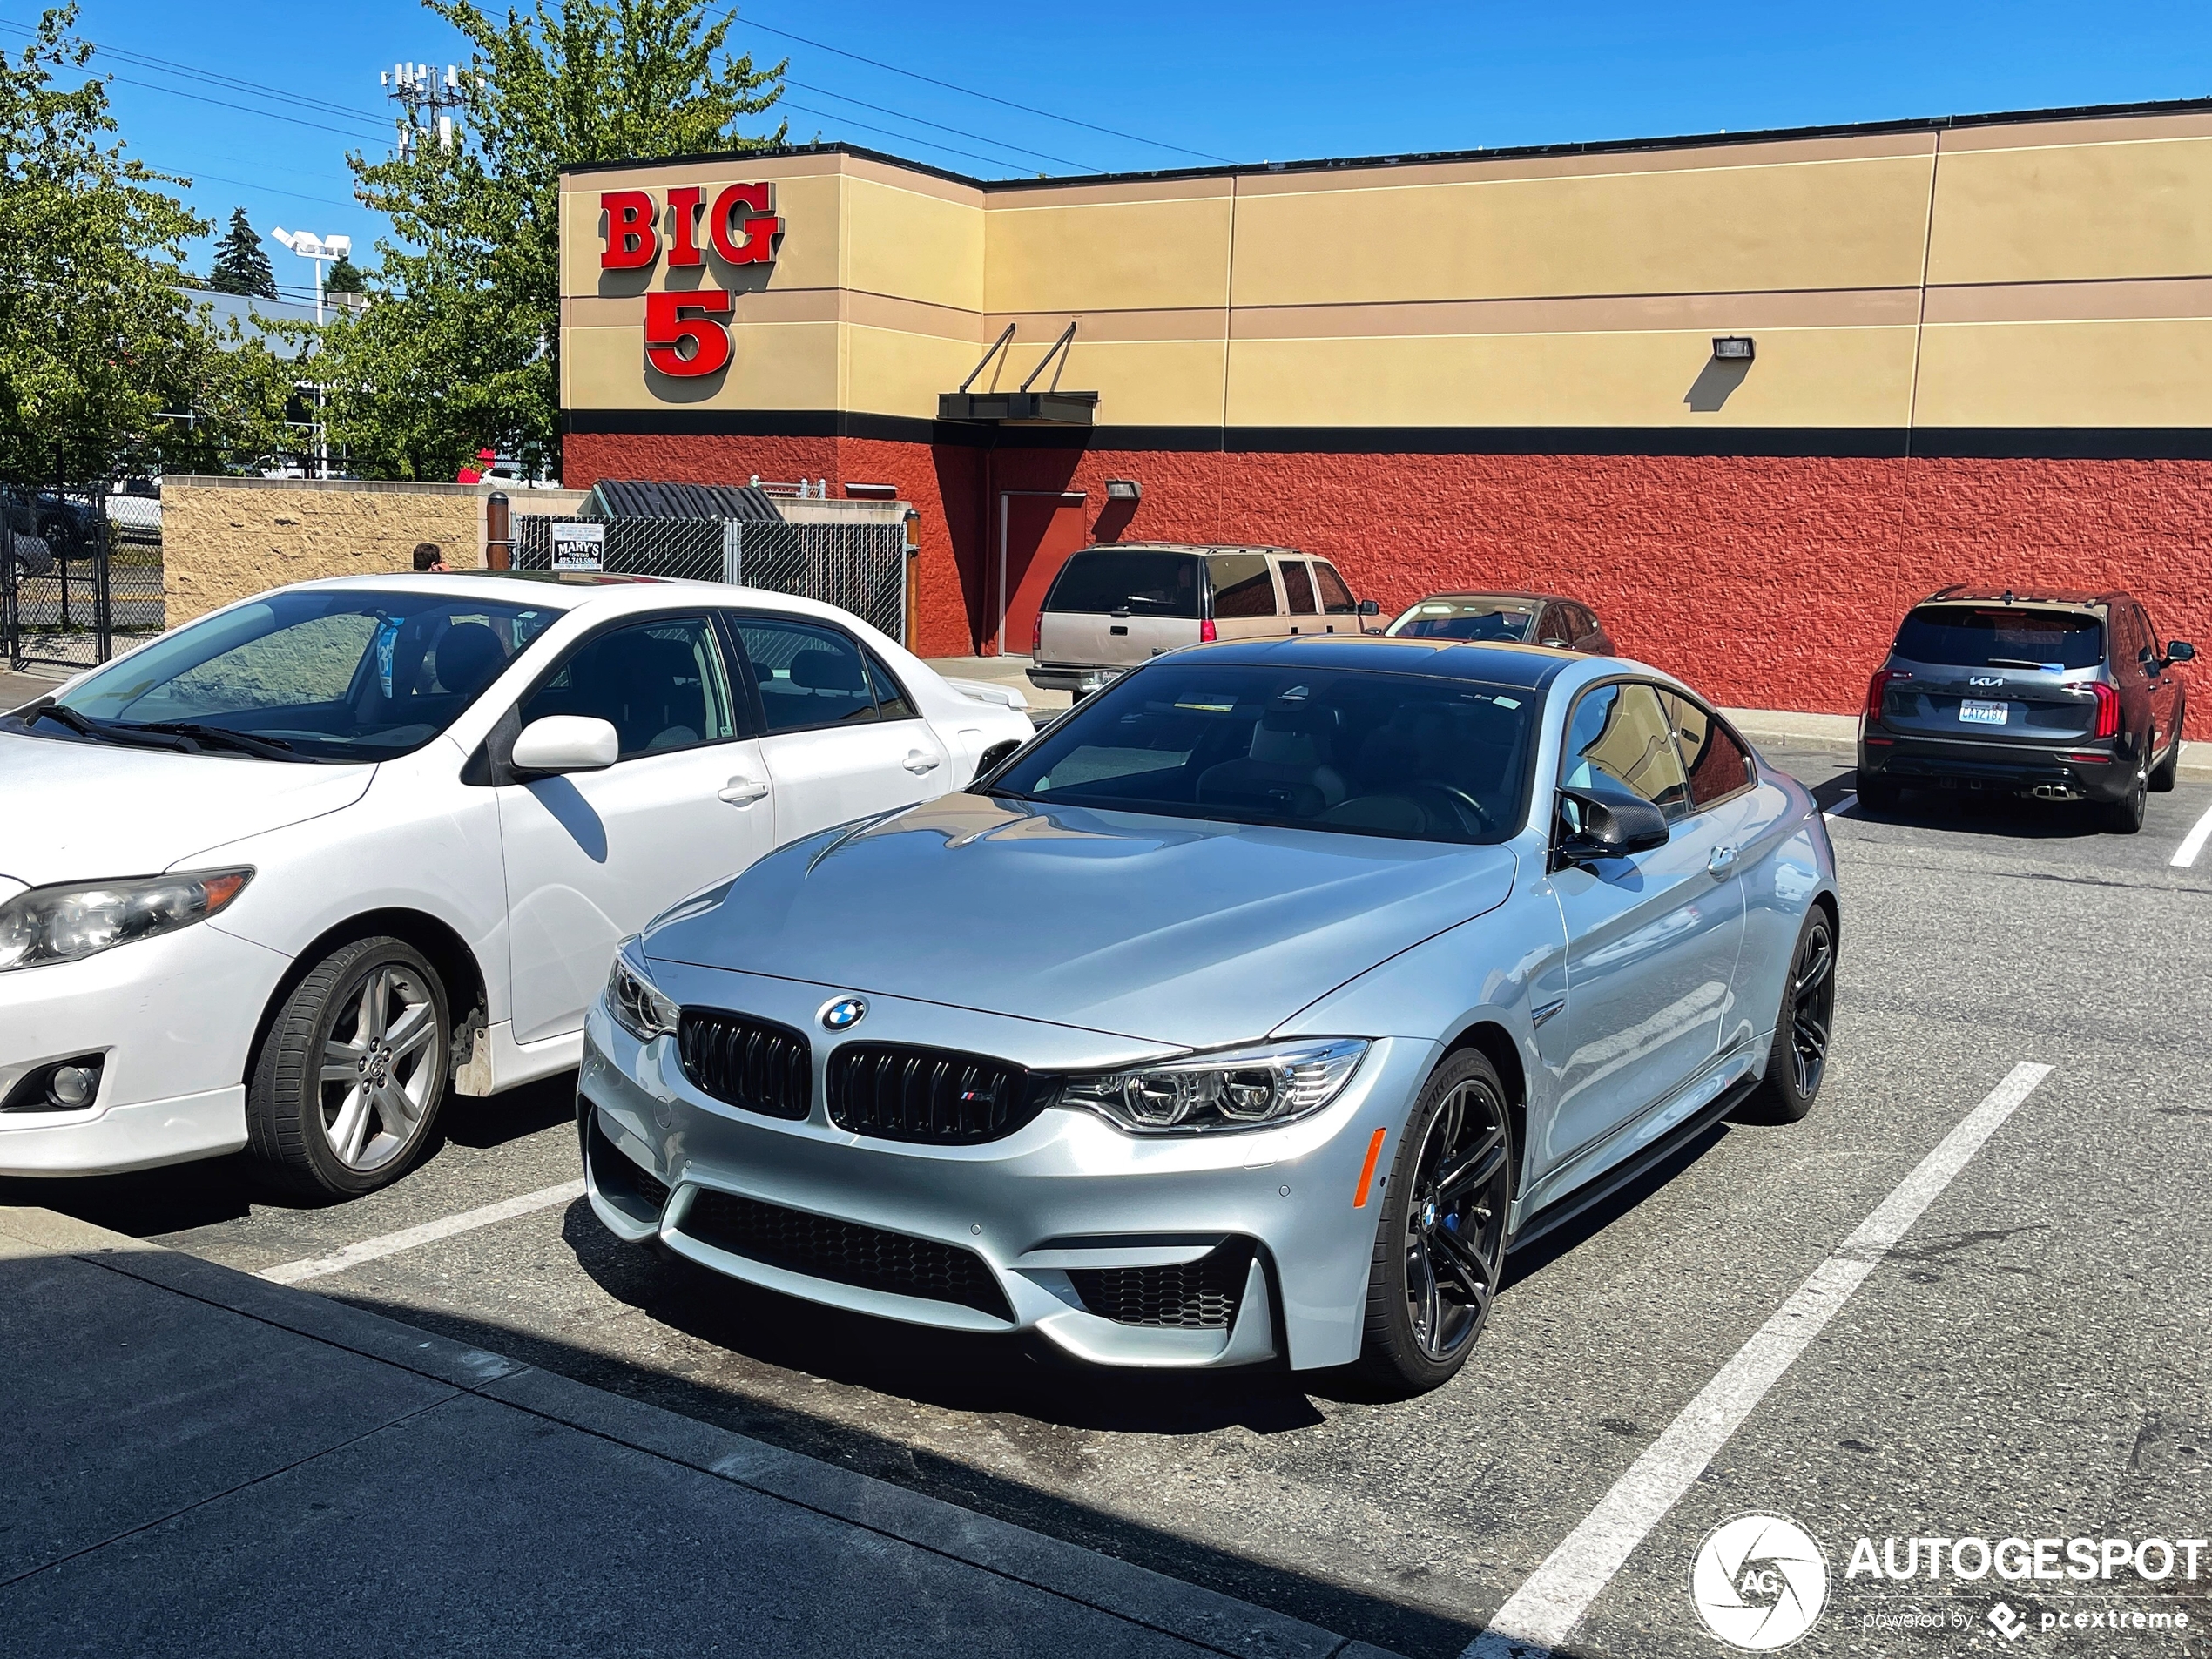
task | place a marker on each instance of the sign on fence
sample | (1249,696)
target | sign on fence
(578,546)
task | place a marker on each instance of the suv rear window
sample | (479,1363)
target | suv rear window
(2001,636)
(1100,582)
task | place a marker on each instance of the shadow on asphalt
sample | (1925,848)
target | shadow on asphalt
(1002,1378)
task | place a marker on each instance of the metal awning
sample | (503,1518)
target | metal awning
(1022,406)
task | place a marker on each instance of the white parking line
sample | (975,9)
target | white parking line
(1842,808)
(429,1232)
(1539,1618)
(2193,843)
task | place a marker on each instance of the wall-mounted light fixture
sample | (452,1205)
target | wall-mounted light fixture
(1125,489)
(1732,348)
(871,492)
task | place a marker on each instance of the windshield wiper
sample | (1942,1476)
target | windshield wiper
(84,728)
(2014,662)
(221,738)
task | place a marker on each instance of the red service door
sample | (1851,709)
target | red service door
(1037,530)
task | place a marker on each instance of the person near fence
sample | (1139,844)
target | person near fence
(428,555)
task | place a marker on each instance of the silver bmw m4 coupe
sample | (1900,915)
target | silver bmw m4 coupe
(1252,1012)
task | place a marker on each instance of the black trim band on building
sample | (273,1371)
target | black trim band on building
(1982,443)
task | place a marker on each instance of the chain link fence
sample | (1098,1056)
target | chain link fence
(859,567)
(80,572)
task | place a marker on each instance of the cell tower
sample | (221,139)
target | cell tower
(429,102)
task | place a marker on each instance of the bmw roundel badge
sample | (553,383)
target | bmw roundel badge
(844,1014)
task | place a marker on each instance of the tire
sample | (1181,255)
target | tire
(1805,1026)
(2164,773)
(1439,1243)
(314,1130)
(1878,796)
(2124,816)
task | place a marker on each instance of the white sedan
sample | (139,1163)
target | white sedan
(281,878)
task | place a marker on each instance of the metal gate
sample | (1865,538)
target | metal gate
(80,573)
(859,567)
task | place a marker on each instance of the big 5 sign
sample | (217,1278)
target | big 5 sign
(686,331)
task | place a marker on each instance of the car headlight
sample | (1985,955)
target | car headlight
(62,924)
(1232,1088)
(636,1006)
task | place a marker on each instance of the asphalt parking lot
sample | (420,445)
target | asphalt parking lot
(2031,1358)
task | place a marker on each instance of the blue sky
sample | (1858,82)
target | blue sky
(1177,85)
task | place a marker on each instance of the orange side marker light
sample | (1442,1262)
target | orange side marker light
(1367,1170)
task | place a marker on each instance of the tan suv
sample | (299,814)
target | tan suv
(1111,609)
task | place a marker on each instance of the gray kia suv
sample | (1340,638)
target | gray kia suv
(2037,692)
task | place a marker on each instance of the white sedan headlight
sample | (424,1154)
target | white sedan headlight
(64,923)
(1232,1088)
(636,1006)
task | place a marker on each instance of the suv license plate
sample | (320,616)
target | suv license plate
(1973,713)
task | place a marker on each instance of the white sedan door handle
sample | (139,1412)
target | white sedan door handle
(742,791)
(918,762)
(1722,860)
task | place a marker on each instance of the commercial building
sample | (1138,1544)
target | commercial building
(1972,349)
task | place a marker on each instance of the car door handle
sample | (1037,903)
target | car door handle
(742,791)
(917,762)
(1722,861)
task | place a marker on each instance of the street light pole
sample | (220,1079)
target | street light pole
(316,249)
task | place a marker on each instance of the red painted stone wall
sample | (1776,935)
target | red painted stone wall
(1765,583)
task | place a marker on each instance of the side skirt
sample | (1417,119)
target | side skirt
(1579,1200)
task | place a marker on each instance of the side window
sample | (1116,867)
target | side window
(1336,598)
(1619,733)
(1242,586)
(661,683)
(891,700)
(808,676)
(1580,624)
(1716,764)
(1299,586)
(2146,639)
(1557,625)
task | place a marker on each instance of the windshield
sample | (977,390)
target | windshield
(1144,584)
(1468,617)
(1419,758)
(350,674)
(2001,636)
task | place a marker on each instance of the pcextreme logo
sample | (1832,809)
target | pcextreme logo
(1758,1581)
(685,333)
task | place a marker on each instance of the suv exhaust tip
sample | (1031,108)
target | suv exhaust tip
(2055,791)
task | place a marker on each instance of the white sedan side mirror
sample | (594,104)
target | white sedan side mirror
(566,743)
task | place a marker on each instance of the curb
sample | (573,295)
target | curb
(1187,1612)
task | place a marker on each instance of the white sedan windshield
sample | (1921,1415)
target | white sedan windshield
(308,675)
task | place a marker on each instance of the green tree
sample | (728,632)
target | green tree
(96,341)
(241,264)
(464,352)
(345,277)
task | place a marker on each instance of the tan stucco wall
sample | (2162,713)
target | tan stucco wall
(224,539)
(2050,273)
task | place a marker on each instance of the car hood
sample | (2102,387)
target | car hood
(85,812)
(1175,930)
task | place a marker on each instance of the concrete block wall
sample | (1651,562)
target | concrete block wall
(224,539)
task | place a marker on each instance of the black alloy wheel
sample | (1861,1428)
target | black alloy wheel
(1877,795)
(1804,1025)
(2162,776)
(2124,816)
(1440,1246)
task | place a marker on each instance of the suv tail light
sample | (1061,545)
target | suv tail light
(1036,637)
(2108,710)
(1206,635)
(1877,686)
